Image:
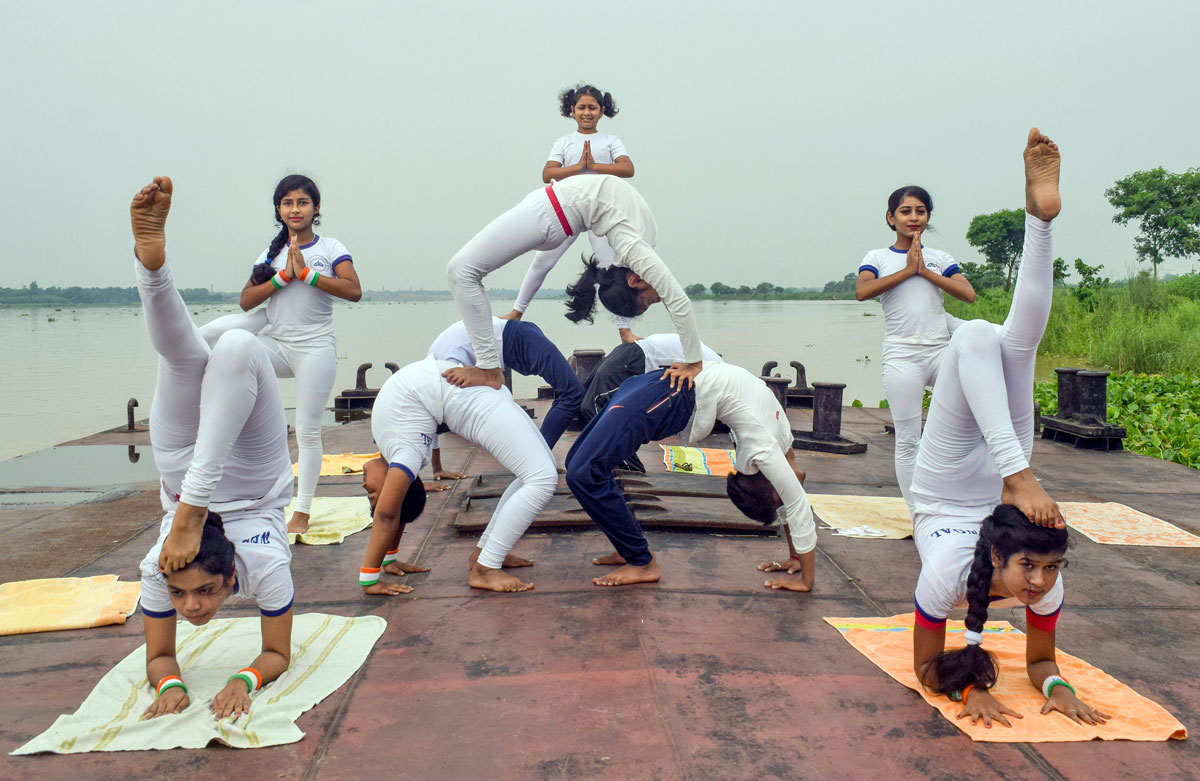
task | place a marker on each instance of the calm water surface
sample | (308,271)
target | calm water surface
(69,373)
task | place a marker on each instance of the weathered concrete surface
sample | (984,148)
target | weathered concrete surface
(704,675)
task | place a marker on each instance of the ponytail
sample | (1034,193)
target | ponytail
(613,289)
(277,242)
(1005,533)
(216,551)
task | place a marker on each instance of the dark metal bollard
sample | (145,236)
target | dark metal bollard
(827,410)
(801,375)
(778,386)
(129,414)
(545,392)
(508,378)
(134,455)
(1068,392)
(586,363)
(767,368)
(360,379)
(392,367)
(1092,387)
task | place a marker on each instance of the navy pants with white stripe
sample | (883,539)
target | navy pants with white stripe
(644,409)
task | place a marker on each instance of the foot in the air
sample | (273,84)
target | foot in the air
(630,574)
(488,579)
(1023,491)
(299,523)
(473,376)
(148,214)
(1042,198)
(611,560)
(403,568)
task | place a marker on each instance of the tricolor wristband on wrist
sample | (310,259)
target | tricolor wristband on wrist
(252,678)
(169,682)
(309,276)
(390,556)
(368,576)
(280,279)
(1055,680)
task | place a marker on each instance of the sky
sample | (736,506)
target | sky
(766,135)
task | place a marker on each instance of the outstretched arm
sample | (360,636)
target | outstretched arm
(160,664)
(383,532)
(272,662)
(1041,664)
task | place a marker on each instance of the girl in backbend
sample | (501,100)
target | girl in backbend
(298,276)
(583,152)
(974,455)
(909,279)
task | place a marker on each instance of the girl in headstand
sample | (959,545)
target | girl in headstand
(299,286)
(975,454)
(909,279)
(404,421)
(583,152)
(544,219)
(220,443)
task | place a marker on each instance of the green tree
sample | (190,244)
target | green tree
(719,289)
(766,289)
(1090,283)
(1167,208)
(999,236)
(843,285)
(694,290)
(983,276)
(744,290)
(1060,272)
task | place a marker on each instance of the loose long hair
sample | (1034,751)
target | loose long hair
(570,96)
(1009,533)
(285,186)
(612,285)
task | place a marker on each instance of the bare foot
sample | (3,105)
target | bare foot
(611,560)
(788,584)
(1042,160)
(790,566)
(510,559)
(1023,491)
(299,523)
(403,568)
(387,589)
(148,213)
(630,574)
(495,580)
(473,376)
(183,541)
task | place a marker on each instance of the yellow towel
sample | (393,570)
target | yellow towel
(1110,523)
(334,518)
(698,460)
(326,651)
(888,643)
(51,604)
(340,463)
(886,515)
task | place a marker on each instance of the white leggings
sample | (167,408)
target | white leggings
(907,370)
(493,420)
(980,424)
(216,424)
(314,365)
(530,225)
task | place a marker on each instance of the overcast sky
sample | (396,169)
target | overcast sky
(766,136)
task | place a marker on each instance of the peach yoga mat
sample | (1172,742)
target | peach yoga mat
(50,604)
(888,643)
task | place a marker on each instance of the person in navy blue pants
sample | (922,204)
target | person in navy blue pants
(526,350)
(645,408)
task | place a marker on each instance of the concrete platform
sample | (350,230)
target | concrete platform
(703,675)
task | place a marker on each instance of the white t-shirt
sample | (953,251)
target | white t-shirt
(454,344)
(611,207)
(666,349)
(568,150)
(947,548)
(299,312)
(744,403)
(912,310)
(261,563)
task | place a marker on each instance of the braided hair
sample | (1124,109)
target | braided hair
(612,285)
(1007,532)
(570,96)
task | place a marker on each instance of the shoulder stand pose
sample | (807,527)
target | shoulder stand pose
(220,443)
(525,350)
(296,327)
(404,421)
(909,278)
(583,152)
(640,355)
(975,454)
(545,218)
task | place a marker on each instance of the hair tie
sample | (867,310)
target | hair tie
(973,637)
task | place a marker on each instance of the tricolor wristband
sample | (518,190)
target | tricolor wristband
(251,677)
(280,279)
(167,683)
(390,556)
(368,576)
(1055,680)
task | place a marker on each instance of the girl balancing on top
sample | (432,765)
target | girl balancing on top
(299,286)
(909,279)
(974,455)
(220,443)
(585,151)
(544,220)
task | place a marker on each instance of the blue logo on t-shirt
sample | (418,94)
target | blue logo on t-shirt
(263,538)
(319,264)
